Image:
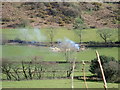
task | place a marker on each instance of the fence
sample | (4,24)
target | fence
(13,70)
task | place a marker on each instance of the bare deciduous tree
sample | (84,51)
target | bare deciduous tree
(16,69)
(79,26)
(79,33)
(106,33)
(24,70)
(51,34)
(6,68)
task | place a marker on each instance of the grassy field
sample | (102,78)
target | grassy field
(61,70)
(61,33)
(19,52)
(9,51)
(57,83)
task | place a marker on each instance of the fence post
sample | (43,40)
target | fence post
(72,76)
(101,68)
(84,75)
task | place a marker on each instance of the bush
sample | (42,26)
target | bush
(70,12)
(5,19)
(51,11)
(97,6)
(79,23)
(110,67)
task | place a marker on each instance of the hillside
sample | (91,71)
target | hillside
(94,15)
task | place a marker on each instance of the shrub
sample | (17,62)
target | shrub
(5,19)
(97,6)
(110,67)
(79,23)
(31,21)
(40,15)
(67,20)
(17,39)
(70,12)
(51,11)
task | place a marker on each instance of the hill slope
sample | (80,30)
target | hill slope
(94,15)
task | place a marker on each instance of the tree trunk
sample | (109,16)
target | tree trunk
(69,72)
(105,41)
(30,71)
(80,36)
(24,71)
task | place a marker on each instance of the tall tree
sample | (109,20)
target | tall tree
(79,32)
(106,33)
(51,34)
(79,26)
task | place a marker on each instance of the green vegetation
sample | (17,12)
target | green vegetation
(19,71)
(88,35)
(25,51)
(79,23)
(110,66)
(47,55)
(51,32)
(79,27)
(106,34)
(57,83)
(86,18)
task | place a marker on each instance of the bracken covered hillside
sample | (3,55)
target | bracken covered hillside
(94,15)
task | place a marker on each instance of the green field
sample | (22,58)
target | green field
(11,51)
(24,53)
(61,33)
(57,83)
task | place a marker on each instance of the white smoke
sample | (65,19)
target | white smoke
(32,34)
(66,45)
(69,44)
(39,35)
